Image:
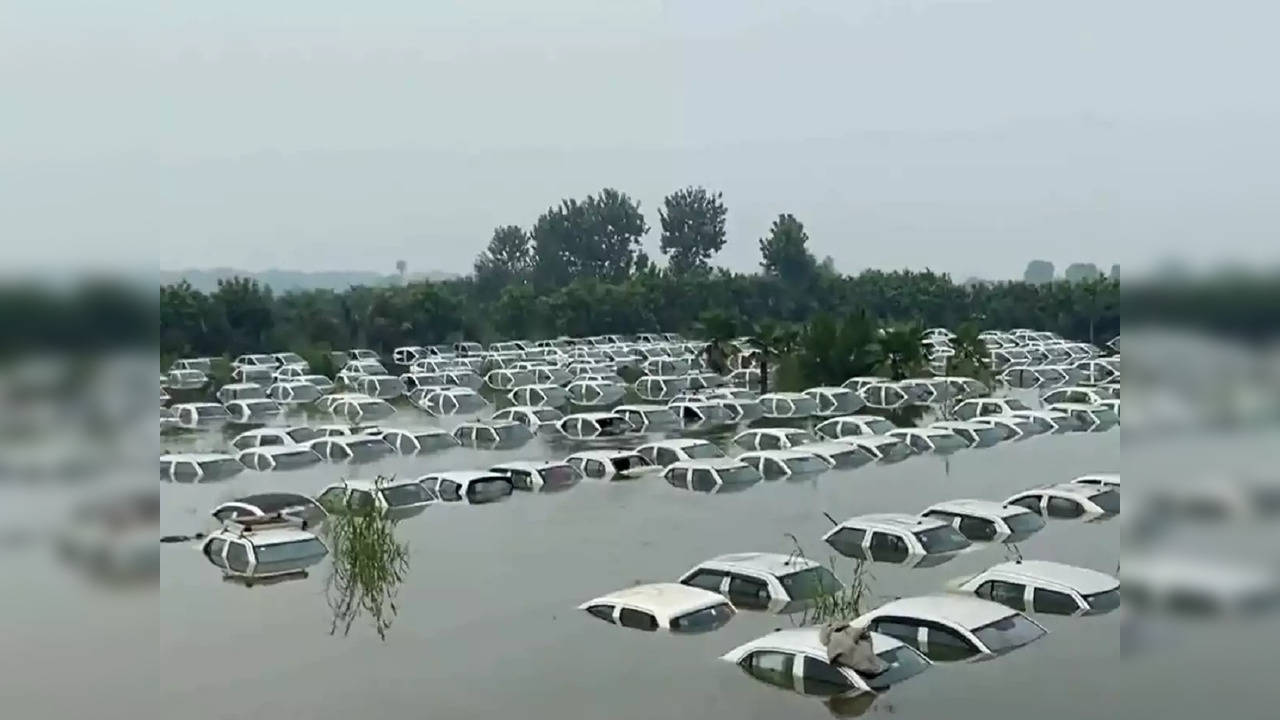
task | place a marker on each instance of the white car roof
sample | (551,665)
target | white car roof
(792,454)
(873,440)
(855,418)
(1108,478)
(786,396)
(530,465)
(196,457)
(776,564)
(1076,406)
(594,415)
(1082,580)
(959,425)
(803,640)
(833,389)
(197,405)
(966,611)
(664,600)
(722,463)
(1067,489)
(776,432)
(677,443)
(928,431)
(270,536)
(603,454)
(371,485)
(462,477)
(889,521)
(273,450)
(989,508)
(642,408)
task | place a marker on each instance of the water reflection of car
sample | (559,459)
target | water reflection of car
(662,606)
(665,452)
(935,440)
(198,467)
(305,510)
(492,435)
(539,476)
(262,548)
(897,538)
(1069,501)
(396,498)
(774,464)
(278,457)
(764,581)
(987,520)
(949,628)
(975,435)
(711,475)
(475,487)
(611,464)
(882,448)
(1044,587)
(796,660)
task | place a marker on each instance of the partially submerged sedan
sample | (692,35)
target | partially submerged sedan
(449,401)
(262,548)
(475,487)
(301,508)
(667,606)
(882,448)
(1092,418)
(987,520)
(198,467)
(594,393)
(355,448)
(252,411)
(665,452)
(648,418)
(1070,501)
(492,435)
(795,659)
(897,538)
(270,458)
(845,426)
(398,499)
(593,426)
(1044,587)
(711,475)
(775,464)
(611,464)
(199,414)
(949,628)
(539,476)
(788,406)
(417,441)
(975,435)
(930,440)
(834,401)
(764,581)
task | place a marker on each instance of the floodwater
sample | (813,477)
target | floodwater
(487,625)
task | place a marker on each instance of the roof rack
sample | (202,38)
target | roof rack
(270,521)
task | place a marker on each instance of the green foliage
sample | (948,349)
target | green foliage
(508,259)
(596,238)
(693,229)
(368,565)
(784,253)
(1038,272)
(843,604)
(902,352)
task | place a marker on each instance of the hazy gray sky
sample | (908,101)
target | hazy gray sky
(966,135)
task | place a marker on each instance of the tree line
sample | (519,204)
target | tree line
(580,269)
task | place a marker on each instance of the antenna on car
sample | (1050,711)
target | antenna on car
(828,516)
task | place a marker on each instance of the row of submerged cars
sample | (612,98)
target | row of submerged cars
(977,617)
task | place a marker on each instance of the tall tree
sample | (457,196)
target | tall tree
(507,258)
(693,222)
(598,237)
(1081,272)
(1038,272)
(784,254)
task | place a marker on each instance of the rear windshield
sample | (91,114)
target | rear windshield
(704,450)
(1024,522)
(949,441)
(224,466)
(810,583)
(743,474)
(704,620)
(1109,501)
(293,551)
(800,437)
(879,427)
(816,464)
(1015,404)
(547,414)
(942,539)
(401,495)
(1008,633)
(303,434)
(904,662)
(488,489)
(558,475)
(1103,602)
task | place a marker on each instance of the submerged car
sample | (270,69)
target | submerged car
(1092,418)
(930,440)
(760,581)
(1044,587)
(611,464)
(594,393)
(667,606)
(361,408)
(416,441)
(774,464)
(1069,500)
(948,628)
(355,448)
(834,401)
(987,520)
(655,388)
(260,548)
(449,401)
(198,467)
(199,414)
(773,438)
(492,435)
(536,418)
(711,475)
(476,487)
(795,659)
(278,457)
(538,476)
(396,498)
(787,406)
(882,448)
(975,435)
(845,426)
(593,426)
(240,391)
(293,392)
(981,407)
(648,418)
(1010,427)
(1103,480)
(539,395)
(897,538)
(666,452)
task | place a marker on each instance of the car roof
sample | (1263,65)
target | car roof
(805,640)
(764,562)
(721,463)
(593,415)
(273,536)
(778,431)
(965,610)
(1082,580)
(677,443)
(370,485)
(528,465)
(273,450)
(1075,406)
(791,454)
(897,521)
(1069,489)
(855,418)
(666,600)
(460,476)
(786,396)
(197,457)
(641,408)
(603,454)
(979,507)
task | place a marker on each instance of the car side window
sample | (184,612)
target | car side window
(237,556)
(1005,593)
(703,480)
(886,547)
(1063,508)
(213,551)
(821,679)
(449,491)
(918,443)
(848,542)
(967,411)
(772,667)
(977,528)
(748,592)
(637,619)
(676,477)
(1053,602)
(706,579)
(604,612)
(904,629)
(946,644)
(746,442)
(1030,502)
(665,456)
(594,468)
(266,440)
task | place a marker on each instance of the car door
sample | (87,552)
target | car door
(1007,593)
(771,666)
(888,547)
(748,592)
(944,644)
(821,679)
(968,411)
(1031,502)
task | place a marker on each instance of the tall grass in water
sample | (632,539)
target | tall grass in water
(843,604)
(369,564)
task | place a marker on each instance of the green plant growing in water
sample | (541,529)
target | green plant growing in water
(845,603)
(369,564)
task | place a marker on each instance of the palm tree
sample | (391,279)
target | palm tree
(972,357)
(903,353)
(718,330)
(771,342)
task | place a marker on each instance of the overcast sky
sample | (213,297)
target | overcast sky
(964,135)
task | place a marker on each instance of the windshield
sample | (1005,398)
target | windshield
(1026,522)
(1008,633)
(1109,501)
(1015,404)
(810,583)
(547,414)
(224,466)
(944,443)
(210,412)
(942,539)
(612,425)
(812,464)
(302,434)
(879,427)
(800,437)
(558,475)
(508,433)
(903,661)
(488,489)
(702,451)
(407,494)
(704,620)
(743,474)
(1103,602)
(289,555)
(289,358)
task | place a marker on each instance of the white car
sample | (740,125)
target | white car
(492,435)
(930,440)
(383,387)
(656,388)
(665,366)
(954,627)
(711,475)
(838,455)
(199,414)
(198,467)
(1103,480)
(290,372)
(1048,421)
(648,418)
(1069,500)
(536,418)
(593,426)
(1083,395)
(796,660)
(475,487)
(834,401)
(975,435)
(594,393)
(449,401)
(667,606)
(361,408)
(204,365)
(745,378)
(772,438)
(897,538)
(322,382)
(980,407)
(417,441)
(1092,418)
(774,464)
(355,448)
(398,498)
(987,520)
(260,548)
(1044,587)
(278,457)
(254,360)
(788,405)
(503,379)
(857,383)
(539,476)
(882,448)
(261,375)
(252,411)
(611,464)
(665,452)
(539,395)
(884,395)
(760,581)
(701,413)
(240,391)
(851,425)
(304,510)
(359,368)
(299,435)
(293,392)
(290,359)
(1010,427)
